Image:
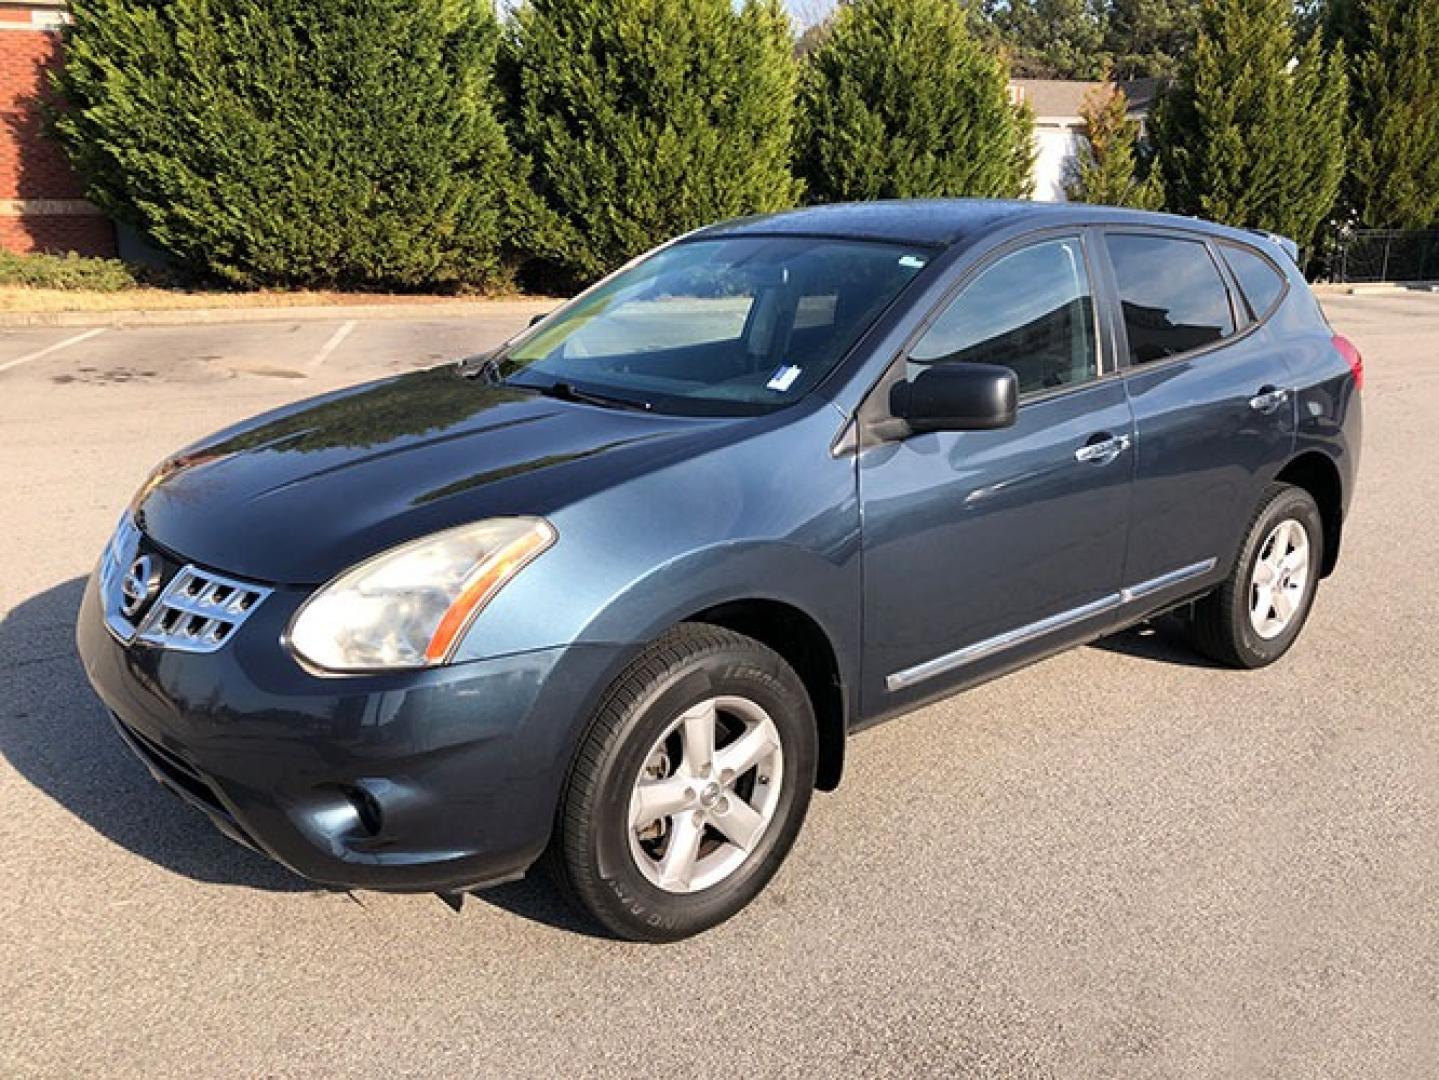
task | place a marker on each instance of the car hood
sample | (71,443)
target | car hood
(298,495)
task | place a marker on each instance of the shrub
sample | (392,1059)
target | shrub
(66,272)
(646,118)
(351,143)
(1252,134)
(1105,168)
(900,100)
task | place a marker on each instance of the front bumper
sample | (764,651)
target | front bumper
(441,779)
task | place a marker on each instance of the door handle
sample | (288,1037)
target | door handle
(1103,450)
(1268,399)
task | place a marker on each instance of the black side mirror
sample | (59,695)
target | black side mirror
(956,396)
(541,317)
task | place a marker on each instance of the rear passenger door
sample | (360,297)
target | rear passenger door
(1213,405)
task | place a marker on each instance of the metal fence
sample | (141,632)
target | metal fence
(1387,255)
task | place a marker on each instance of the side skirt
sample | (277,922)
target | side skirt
(1022,635)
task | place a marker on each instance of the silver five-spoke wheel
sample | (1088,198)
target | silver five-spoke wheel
(1281,574)
(706,794)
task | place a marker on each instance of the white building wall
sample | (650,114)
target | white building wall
(1055,146)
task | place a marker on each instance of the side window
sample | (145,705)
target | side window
(1260,282)
(1030,311)
(1172,295)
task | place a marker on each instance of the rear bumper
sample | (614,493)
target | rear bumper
(434,780)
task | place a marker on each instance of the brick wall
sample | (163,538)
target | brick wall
(42,205)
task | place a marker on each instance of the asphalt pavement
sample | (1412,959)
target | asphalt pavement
(1119,862)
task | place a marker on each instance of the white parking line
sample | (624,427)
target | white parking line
(330,346)
(50,350)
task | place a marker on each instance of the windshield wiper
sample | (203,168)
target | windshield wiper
(567,391)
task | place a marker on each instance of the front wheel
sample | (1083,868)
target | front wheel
(689,788)
(1256,615)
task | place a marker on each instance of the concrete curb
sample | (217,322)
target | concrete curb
(1373,288)
(438,309)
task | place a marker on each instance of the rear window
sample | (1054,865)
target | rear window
(1259,281)
(1173,297)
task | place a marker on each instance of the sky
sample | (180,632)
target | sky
(808,12)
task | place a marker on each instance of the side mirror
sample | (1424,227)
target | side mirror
(956,396)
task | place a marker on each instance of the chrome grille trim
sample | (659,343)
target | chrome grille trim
(120,552)
(197,612)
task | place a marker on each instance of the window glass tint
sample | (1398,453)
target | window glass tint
(1173,297)
(648,323)
(1030,311)
(1258,280)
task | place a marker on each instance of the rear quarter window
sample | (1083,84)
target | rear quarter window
(1172,295)
(1259,279)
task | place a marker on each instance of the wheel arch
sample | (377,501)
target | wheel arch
(1317,474)
(807,648)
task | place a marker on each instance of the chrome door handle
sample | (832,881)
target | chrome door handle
(1102,453)
(1268,399)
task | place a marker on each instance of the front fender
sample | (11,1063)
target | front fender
(827,592)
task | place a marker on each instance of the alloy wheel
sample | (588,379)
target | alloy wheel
(1279,579)
(706,795)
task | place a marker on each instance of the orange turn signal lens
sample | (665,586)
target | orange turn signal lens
(487,580)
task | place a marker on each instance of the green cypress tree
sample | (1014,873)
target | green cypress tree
(1105,169)
(647,118)
(353,143)
(1393,180)
(900,100)
(1252,134)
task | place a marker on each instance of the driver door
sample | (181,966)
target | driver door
(984,549)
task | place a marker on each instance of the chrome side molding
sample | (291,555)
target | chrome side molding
(1021,635)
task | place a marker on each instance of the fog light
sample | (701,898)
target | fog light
(367,809)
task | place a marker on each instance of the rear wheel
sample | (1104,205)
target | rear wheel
(1256,615)
(689,788)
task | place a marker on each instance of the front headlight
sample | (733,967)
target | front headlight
(408,607)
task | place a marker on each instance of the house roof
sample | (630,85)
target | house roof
(1060,99)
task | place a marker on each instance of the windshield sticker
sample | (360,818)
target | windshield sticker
(783,379)
(911,262)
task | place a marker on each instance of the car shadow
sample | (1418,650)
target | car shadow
(1162,645)
(536,899)
(55,733)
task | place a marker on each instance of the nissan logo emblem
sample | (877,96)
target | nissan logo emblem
(138,585)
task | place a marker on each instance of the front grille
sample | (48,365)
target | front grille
(196,611)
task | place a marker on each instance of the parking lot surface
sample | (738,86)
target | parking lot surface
(1120,862)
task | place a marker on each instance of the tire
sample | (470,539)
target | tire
(630,875)
(1227,626)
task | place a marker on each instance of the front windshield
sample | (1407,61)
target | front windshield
(726,326)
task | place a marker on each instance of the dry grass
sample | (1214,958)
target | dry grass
(22,299)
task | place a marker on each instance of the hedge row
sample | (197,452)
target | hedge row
(423,144)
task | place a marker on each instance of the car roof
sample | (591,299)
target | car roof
(945,222)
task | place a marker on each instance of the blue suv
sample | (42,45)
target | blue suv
(615,594)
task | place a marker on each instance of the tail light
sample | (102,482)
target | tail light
(1352,358)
